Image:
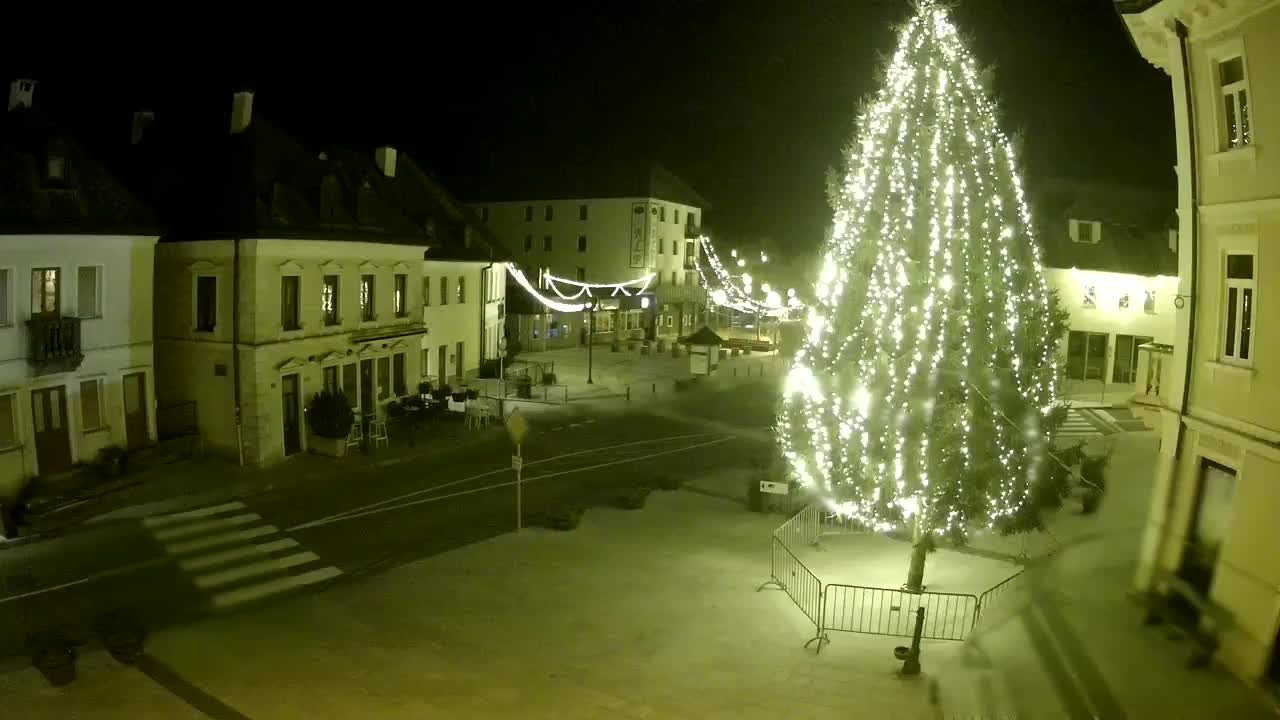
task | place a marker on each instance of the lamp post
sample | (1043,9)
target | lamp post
(591,329)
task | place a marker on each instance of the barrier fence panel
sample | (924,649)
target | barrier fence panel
(801,529)
(800,584)
(881,611)
(990,596)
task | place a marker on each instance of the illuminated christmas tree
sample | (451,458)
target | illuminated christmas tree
(925,395)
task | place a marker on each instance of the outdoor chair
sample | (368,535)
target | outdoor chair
(378,433)
(356,437)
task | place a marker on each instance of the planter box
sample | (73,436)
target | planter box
(332,447)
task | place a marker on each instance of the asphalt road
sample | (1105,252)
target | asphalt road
(175,569)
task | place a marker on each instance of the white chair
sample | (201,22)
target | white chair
(356,437)
(378,433)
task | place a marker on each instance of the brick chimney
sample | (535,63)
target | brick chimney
(241,111)
(386,159)
(20,92)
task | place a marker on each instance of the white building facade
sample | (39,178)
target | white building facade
(1211,526)
(463,309)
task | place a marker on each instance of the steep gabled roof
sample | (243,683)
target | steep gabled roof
(49,183)
(580,181)
(1135,226)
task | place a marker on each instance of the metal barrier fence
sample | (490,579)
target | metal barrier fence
(986,598)
(800,529)
(881,611)
(804,588)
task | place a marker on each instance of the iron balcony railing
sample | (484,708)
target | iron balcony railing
(53,343)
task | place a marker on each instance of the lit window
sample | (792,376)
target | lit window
(329,300)
(1124,301)
(1237,319)
(1149,303)
(462,290)
(1090,296)
(1235,103)
(401,298)
(366,298)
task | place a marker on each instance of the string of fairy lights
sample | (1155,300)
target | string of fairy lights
(931,289)
(586,293)
(736,291)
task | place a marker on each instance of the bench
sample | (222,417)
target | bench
(1203,630)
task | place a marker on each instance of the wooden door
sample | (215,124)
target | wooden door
(367,406)
(136,432)
(457,364)
(290,414)
(443,364)
(49,421)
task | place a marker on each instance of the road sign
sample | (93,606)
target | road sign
(517,462)
(517,427)
(775,488)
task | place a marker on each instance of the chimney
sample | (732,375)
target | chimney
(20,92)
(241,111)
(386,159)
(141,119)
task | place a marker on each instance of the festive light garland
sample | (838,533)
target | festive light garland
(639,285)
(738,296)
(931,310)
(552,303)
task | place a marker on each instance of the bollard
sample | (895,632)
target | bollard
(911,665)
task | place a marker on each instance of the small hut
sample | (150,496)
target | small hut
(704,351)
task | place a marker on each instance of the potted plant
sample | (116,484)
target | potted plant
(1093,483)
(329,417)
(110,461)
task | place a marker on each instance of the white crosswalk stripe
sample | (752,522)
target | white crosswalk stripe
(1078,427)
(234,556)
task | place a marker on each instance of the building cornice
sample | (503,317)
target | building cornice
(1244,209)
(1152,28)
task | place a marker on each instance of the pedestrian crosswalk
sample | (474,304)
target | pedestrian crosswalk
(233,557)
(1081,424)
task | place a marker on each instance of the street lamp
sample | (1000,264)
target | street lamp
(591,331)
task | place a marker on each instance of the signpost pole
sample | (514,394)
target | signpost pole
(519,491)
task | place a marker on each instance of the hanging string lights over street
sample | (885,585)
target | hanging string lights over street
(576,289)
(737,291)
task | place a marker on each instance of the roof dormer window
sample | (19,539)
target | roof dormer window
(1085,231)
(56,167)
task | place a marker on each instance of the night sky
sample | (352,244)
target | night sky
(749,102)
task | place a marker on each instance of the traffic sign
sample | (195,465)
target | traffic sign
(517,427)
(775,488)
(517,462)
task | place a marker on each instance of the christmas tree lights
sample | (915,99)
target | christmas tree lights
(925,389)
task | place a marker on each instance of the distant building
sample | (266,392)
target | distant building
(592,225)
(331,253)
(1211,529)
(75,302)
(1110,252)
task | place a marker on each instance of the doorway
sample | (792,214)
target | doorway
(366,388)
(136,432)
(1126,364)
(1086,355)
(49,420)
(289,414)
(1210,521)
(442,361)
(457,364)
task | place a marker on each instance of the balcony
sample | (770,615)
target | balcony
(54,344)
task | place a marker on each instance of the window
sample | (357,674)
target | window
(8,420)
(350,386)
(426,362)
(582,243)
(90,405)
(1090,296)
(89,291)
(6,317)
(444,290)
(662,246)
(384,378)
(546,213)
(582,274)
(289,302)
(1238,316)
(402,295)
(56,168)
(329,300)
(397,374)
(1237,131)
(1124,301)
(1149,303)
(692,219)
(673,277)
(462,289)
(528,243)
(662,214)
(206,303)
(426,292)
(675,215)
(484,214)
(329,379)
(582,212)
(675,247)
(528,213)
(688,253)
(46,291)
(366,298)
(546,243)
(1085,231)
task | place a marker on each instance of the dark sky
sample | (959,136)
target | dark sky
(750,102)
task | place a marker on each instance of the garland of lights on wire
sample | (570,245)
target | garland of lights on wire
(626,288)
(921,386)
(735,295)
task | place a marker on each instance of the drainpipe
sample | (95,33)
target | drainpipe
(1194,248)
(235,344)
